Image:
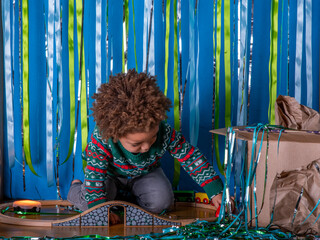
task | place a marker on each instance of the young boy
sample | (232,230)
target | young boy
(127,144)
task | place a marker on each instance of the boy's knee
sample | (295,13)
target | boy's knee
(76,196)
(156,203)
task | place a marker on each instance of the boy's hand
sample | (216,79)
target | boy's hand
(216,201)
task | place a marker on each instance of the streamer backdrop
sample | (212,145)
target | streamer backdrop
(207,56)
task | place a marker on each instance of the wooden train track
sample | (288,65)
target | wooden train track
(134,216)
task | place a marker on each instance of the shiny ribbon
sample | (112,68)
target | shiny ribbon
(242,91)
(297,205)
(148,38)
(242,76)
(151,57)
(228,164)
(134,36)
(217,83)
(146,22)
(166,63)
(227,61)
(107,41)
(182,86)
(111,56)
(49,95)
(298,57)
(308,43)
(98,44)
(311,212)
(176,102)
(25,77)
(125,33)
(8,78)
(251,171)
(273,60)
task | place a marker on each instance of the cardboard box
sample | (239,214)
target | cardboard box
(296,149)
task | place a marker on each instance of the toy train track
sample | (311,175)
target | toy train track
(98,216)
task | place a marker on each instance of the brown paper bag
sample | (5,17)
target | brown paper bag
(290,114)
(293,196)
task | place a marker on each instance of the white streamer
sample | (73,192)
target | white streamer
(8,81)
(298,62)
(98,43)
(49,98)
(309,52)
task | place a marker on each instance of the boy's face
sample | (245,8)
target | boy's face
(139,142)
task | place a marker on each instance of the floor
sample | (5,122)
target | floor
(9,231)
(181,211)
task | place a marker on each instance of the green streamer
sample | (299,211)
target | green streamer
(25,113)
(217,79)
(71,77)
(176,103)
(167,48)
(83,95)
(273,61)
(134,36)
(227,61)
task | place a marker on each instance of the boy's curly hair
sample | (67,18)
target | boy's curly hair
(131,102)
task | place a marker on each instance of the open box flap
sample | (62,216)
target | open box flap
(246,133)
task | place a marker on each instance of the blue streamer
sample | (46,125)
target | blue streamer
(59,116)
(196,90)
(194,86)
(298,61)
(8,80)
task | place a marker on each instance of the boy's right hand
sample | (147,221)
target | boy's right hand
(217,200)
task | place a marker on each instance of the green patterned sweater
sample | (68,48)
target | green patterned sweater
(108,158)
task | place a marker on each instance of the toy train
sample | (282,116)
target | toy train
(191,196)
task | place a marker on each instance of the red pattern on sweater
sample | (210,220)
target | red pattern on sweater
(97,169)
(97,199)
(101,147)
(186,157)
(209,181)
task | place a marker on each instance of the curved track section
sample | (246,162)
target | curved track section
(99,216)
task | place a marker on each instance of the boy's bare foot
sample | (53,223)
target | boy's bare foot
(114,218)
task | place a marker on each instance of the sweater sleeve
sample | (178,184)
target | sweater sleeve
(97,157)
(195,164)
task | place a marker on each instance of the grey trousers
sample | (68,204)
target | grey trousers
(153,192)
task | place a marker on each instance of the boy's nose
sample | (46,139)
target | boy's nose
(145,147)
